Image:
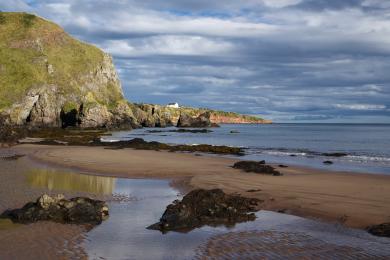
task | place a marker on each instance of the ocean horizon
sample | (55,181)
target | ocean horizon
(366,146)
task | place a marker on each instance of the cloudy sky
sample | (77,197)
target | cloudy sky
(287,60)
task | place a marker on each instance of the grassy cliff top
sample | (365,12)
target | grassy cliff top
(34,52)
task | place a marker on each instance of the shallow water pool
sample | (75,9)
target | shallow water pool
(272,235)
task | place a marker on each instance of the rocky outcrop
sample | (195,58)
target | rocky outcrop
(203,120)
(54,80)
(141,144)
(206,207)
(58,209)
(233,118)
(256,167)
(151,115)
(382,230)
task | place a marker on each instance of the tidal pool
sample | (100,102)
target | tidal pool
(272,235)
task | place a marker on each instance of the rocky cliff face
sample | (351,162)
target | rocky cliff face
(49,79)
(156,115)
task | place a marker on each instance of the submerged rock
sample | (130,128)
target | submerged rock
(334,154)
(256,167)
(79,210)
(12,157)
(327,162)
(382,230)
(206,207)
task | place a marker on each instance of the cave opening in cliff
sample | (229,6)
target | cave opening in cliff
(70,118)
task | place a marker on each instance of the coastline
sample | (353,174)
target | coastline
(355,200)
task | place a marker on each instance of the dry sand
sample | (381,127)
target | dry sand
(357,200)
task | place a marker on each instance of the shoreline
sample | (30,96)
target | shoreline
(355,200)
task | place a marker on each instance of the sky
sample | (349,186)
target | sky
(285,60)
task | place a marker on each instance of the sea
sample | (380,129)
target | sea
(366,146)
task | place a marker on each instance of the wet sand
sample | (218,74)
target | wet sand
(42,240)
(356,200)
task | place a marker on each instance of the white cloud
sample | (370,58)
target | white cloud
(370,107)
(169,45)
(280,3)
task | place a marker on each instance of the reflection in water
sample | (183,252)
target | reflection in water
(7,224)
(57,180)
(272,235)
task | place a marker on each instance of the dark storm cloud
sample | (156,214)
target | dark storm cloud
(300,60)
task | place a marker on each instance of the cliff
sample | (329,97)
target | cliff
(50,79)
(150,115)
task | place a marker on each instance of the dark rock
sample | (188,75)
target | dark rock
(283,166)
(257,167)
(194,131)
(12,157)
(293,155)
(327,162)
(253,190)
(334,154)
(234,132)
(77,210)
(382,230)
(203,120)
(141,144)
(10,135)
(206,207)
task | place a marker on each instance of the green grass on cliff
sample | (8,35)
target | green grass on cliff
(175,112)
(30,46)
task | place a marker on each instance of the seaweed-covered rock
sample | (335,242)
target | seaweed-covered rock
(141,144)
(382,230)
(206,207)
(77,210)
(256,167)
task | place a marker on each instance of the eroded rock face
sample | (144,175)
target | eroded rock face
(206,207)
(256,167)
(60,81)
(202,120)
(77,210)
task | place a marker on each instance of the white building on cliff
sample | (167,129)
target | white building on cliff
(173,105)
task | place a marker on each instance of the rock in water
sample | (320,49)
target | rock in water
(256,167)
(77,210)
(382,230)
(206,207)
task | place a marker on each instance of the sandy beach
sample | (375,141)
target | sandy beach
(355,200)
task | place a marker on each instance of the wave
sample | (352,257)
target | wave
(365,158)
(340,156)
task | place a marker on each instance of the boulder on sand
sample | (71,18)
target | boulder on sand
(206,207)
(77,210)
(382,230)
(256,167)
